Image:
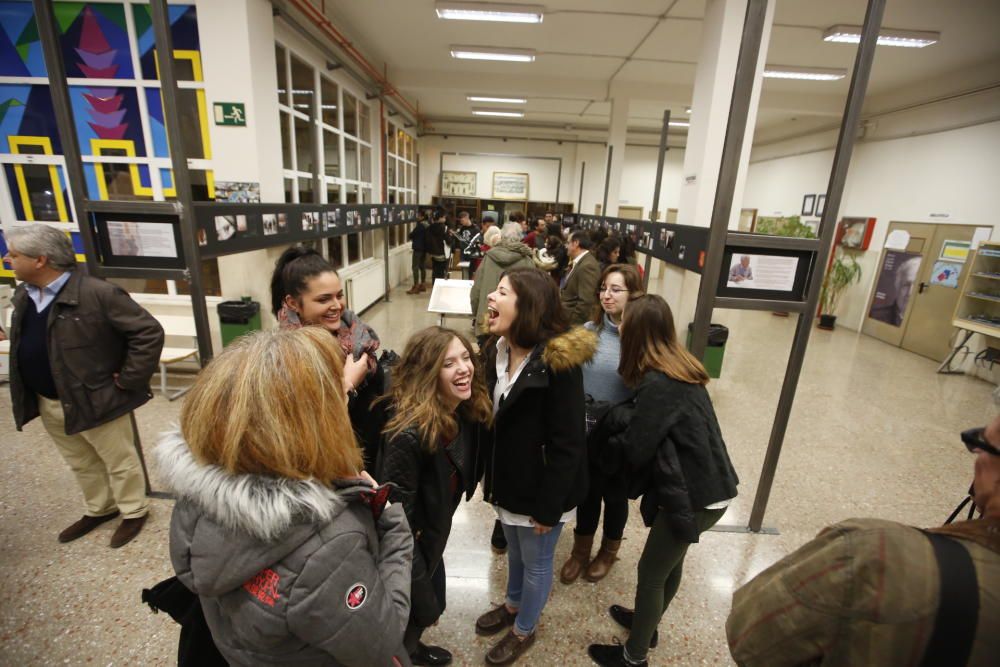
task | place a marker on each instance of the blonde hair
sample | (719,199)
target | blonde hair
(273,404)
(415,392)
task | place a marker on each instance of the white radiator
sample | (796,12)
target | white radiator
(366,286)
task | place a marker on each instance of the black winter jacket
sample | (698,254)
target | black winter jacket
(675,450)
(535,456)
(423,482)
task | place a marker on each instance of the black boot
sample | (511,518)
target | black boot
(612,655)
(430,655)
(498,541)
(623,617)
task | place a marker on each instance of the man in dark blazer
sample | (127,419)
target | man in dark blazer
(579,287)
(81,356)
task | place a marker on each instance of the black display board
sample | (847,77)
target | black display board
(225,229)
(774,275)
(138,240)
(680,245)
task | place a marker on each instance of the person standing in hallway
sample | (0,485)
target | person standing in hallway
(907,596)
(418,241)
(438,405)
(677,461)
(578,290)
(436,242)
(534,461)
(82,354)
(307,291)
(468,240)
(509,253)
(607,391)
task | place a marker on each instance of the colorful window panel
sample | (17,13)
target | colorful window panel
(184,33)
(20,47)
(94,40)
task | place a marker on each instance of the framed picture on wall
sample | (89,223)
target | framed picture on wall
(820,205)
(458,184)
(510,185)
(808,204)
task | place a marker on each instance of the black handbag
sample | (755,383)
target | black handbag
(196,648)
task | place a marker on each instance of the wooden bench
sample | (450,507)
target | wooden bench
(181,326)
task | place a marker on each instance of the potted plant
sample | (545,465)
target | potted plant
(778,226)
(844,271)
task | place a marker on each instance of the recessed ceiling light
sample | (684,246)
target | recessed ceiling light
(482,53)
(490,11)
(808,73)
(687,110)
(498,113)
(500,100)
(914,39)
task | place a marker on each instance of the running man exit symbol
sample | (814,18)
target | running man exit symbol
(230,113)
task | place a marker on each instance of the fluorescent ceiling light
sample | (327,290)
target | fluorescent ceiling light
(481,53)
(490,11)
(679,123)
(808,73)
(498,112)
(500,100)
(851,34)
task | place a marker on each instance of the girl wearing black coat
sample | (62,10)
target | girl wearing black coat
(679,464)
(535,457)
(428,450)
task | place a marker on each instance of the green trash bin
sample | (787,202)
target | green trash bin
(237,318)
(715,350)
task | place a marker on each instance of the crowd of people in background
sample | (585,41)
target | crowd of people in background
(317,481)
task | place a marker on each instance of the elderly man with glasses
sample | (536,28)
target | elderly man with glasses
(872,592)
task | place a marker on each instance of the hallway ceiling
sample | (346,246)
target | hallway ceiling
(647,50)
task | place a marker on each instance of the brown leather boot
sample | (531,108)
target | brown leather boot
(414,290)
(578,560)
(606,557)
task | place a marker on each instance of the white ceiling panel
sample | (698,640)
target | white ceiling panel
(673,40)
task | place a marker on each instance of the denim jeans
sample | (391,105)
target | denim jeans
(529,573)
(417,264)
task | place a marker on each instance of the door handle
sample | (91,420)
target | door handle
(922,287)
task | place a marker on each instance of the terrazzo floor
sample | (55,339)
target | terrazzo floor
(874,432)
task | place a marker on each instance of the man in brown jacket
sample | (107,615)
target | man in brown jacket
(871,592)
(82,353)
(578,291)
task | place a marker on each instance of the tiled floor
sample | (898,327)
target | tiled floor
(874,432)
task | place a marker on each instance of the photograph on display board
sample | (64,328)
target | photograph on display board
(327,220)
(225,227)
(763,272)
(352,218)
(373,216)
(666,239)
(310,221)
(646,241)
(202,237)
(142,239)
(894,287)
(270,223)
(246,226)
(282,222)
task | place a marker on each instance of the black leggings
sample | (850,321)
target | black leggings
(612,491)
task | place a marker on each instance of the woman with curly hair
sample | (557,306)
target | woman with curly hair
(438,403)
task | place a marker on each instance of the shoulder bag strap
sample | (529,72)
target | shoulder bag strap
(958,604)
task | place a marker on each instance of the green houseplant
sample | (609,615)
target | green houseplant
(844,271)
(779,226)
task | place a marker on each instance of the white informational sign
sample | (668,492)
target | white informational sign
(763,272)
(142,239)
(897,240)
(451,297)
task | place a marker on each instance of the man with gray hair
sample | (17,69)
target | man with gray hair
(81,356)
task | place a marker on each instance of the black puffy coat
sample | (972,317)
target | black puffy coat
(534,458)
(676,454)
(423,481)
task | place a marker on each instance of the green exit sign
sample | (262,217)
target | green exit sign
(230,113)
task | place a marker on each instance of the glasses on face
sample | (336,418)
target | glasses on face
(614,290)
(976,442)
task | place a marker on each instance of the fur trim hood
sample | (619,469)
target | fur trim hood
(257,505)
(569,350)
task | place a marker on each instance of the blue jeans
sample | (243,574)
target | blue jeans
(529,573)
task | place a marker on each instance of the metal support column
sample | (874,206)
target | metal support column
(607,181)
(834,193)
(579,201)
(732,148)
(52,51)
(181,178)
(384,127)
(660,159)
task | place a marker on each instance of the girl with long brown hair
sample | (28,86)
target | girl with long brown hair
(428,449)
(678,462)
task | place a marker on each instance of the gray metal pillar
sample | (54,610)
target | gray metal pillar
(579,201)
(182,180)
(52,52)
(607,181)
(739,109)
(660,159)
(834,193)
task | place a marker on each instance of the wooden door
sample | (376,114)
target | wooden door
(929,328)
(878,323)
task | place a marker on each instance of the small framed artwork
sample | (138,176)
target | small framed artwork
(820,205)
(510,185)
(808,204)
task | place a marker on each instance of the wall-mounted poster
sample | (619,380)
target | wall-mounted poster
(895,284)
(946,274)
(237,192)
(458,184)
(510,185)
(955,251)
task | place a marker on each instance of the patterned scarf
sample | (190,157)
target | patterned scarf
(355,337)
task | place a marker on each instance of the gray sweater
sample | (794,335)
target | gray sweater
(600,374)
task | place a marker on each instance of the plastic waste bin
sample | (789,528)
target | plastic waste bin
(716,348)
(237,318)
